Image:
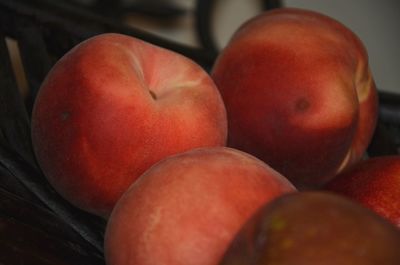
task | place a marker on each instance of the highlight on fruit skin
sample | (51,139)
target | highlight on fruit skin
(314,227)
(299,94)
(187,208)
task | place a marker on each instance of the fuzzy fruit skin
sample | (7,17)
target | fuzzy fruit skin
(299,94)
(375,183)
(96,126)
(186,209)
(307,228)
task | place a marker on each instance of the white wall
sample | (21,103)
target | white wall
(377,23)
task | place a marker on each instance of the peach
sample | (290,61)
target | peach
(299,94)
(375,183)
(112,107)
(314,228)
(187,208)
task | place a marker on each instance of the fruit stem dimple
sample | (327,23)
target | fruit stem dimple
(153,95)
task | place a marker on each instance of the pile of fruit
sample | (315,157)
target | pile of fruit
(260,161)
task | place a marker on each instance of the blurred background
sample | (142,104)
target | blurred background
(203,27)
(377,23)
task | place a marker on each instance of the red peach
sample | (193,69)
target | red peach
(187,208)
(299,94)
(112,107)
(314,228)
(375,183)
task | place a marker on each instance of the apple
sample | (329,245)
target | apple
(299,94)
(187,208)
(113,106)
(375,183)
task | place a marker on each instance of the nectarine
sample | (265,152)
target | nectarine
(375,183)
(310,228)
(112,107)
(299,94)
(186,209)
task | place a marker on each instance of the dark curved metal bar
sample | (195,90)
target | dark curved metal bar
(203,25)
(271,4)
(203,21)
(160,9)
